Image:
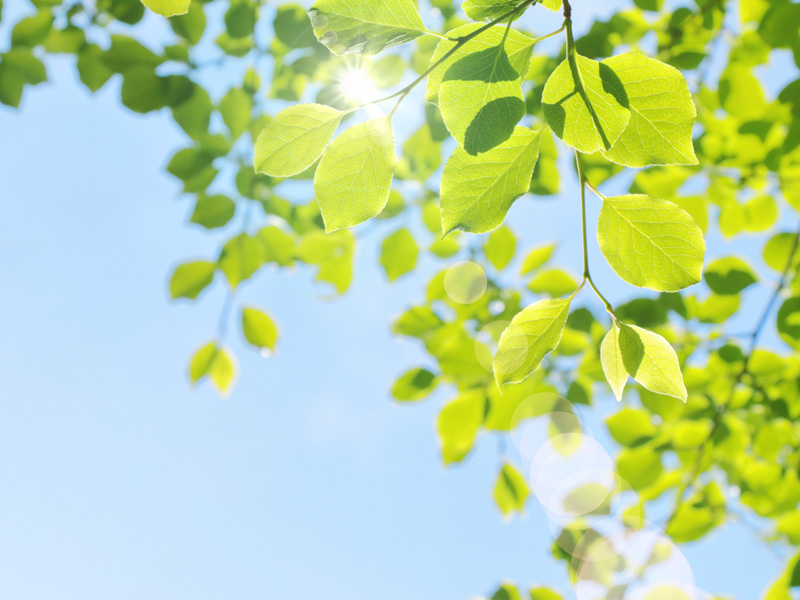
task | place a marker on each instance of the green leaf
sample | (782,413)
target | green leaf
(500,247)
(295,139)
(740,93)
(760,213)
(630,426)
(662,114)
(92,70)
(417,322)
(651,242)
(142,90)
(729,276)
(544,593)
(422,155)
(65,41)
(585,104)
(537,257)
(650,360)
(399,254)
(18,67)
(553,282)
(354,177)
(241,257)
(546,178)
(213,211)
(694,519)
(168,8)
(588,499)
(191,25)
(189,162)
(364,26)
(213,361)
(639,467)
(189,279)
(126,52)
(612,362)
(259,329)
(480,97)
(414,385)
(531,335)
(240,19)
(789,322)
(477,191)
(518,48)
(278,244)
(194,114)
(235,109)
(488,10)
(31,31)
(554,5)
(511,490)
(506,591)
(779,250)
(292,27)
(458,423)
(333,254)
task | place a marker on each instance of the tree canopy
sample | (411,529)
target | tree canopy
(666,107)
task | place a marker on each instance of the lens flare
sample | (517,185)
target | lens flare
(357,87)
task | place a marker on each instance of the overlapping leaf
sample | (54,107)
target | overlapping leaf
(518,48)
(585,104)
(480,97)
(645,356)
(662,114)
(531,335)
(364,26)
(295,139)
(354,177)
(477,191)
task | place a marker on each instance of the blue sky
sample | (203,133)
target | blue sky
(120,481)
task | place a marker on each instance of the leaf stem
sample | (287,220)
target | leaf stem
(438,35)
(587,276)
(459,43)
(595,190)
(775,294)
(551,34)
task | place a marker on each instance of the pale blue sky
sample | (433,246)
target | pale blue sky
(120,482)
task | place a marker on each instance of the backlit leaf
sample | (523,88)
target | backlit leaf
(611,360)
(189,279)
(480,97)
(259,329)
(531,335)
(518,48)
(651,242)
(354,177)
(295,139)
(662,114)
(399,254)
(585,104)
(650,360)
(364,26)
(477,191)
(511,490)
(168,8)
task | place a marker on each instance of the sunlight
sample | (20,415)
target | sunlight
(357,86)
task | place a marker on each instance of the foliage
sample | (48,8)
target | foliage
(710,411)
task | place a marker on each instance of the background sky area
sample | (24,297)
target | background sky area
(118,481)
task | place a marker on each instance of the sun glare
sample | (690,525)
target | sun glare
(357,86)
